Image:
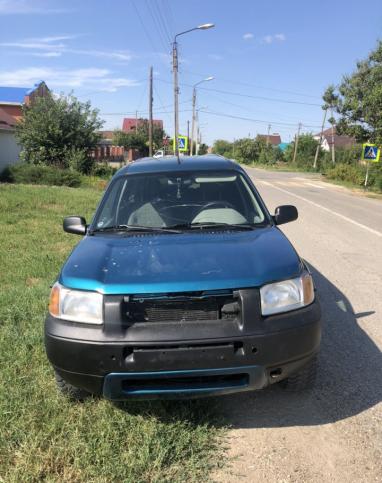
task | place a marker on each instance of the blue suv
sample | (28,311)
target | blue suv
(182,286)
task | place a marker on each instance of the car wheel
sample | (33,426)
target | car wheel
(72,392)
(302,380)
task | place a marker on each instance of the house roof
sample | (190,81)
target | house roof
(130,122)
(7,122)
(106,134)
(340,141)
(14,95)
(273,139)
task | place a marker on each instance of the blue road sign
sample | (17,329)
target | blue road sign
(371,152)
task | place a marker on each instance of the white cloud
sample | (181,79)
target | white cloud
(269,39)
(22,7)
(55,45)
(46,54)
(33,44)
(248,36)
(97,79)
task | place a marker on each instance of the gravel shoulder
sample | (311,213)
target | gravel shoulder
(333,434)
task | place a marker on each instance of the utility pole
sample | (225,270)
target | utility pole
(204,26)
(333,151)
(136,122)
(188,135)
(296,142)
(151,113)
(176,96)
(197,134)
(269,130)
(193,120)
(320,141)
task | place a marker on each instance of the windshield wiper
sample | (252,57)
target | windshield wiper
(135,228)
(212,224)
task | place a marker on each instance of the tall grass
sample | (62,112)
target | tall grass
(43,436)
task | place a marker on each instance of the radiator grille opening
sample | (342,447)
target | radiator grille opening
(181,308)
(185,383)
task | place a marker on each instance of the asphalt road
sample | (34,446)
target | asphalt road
(333,434)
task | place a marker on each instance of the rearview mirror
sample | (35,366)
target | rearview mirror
(75,225)
(285,214)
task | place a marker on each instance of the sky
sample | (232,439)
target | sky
(271,60)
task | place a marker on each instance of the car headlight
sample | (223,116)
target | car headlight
(76,305)
(287,295)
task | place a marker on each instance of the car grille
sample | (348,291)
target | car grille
(181,308)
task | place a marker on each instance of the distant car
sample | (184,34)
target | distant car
(158,154)
(182,286)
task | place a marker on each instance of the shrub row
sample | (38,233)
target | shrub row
(36,174)
(355,174)
(50,175)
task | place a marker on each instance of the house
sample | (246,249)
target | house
(106,150)
(12,100)
(272,139)
(130,123)
(340,141)
(9,149)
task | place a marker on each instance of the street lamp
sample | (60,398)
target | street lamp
(193,112)
(175,72)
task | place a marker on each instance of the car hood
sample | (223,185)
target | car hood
(154,263)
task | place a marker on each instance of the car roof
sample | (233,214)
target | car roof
(206,162)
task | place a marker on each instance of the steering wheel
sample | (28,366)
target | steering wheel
(214,204)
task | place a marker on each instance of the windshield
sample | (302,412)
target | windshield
(184,199)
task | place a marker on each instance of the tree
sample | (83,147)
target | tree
(359,102)
(139,139)
(203,148)
(130,140)
(59,132)
(307,146)
(222,147)
(158,133)
(247,150)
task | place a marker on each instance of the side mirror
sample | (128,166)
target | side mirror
(75,225)
(285,214)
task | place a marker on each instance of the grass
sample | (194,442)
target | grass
(43,436)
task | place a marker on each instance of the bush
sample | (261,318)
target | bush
(345,172)
(103,170)
(45,175)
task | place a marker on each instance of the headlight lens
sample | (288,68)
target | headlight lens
(287,295)
(76,305)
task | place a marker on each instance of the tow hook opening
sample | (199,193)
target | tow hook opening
(275,373)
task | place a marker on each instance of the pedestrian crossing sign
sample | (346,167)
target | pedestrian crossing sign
(370,152)
(182,144)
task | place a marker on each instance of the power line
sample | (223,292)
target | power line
(144,27)
(170,16)
(272,99)
(162,20)
(245,108)
(233,81)
(139,112)
(158,26)
(221,114)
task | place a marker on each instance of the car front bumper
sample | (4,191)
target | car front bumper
(183,362)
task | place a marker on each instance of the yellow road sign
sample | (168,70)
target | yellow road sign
(371,152)
(182,144)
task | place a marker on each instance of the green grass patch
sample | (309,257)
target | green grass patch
(43,436)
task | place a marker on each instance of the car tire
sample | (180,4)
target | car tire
(72,392)
(302,380)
